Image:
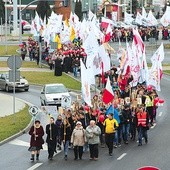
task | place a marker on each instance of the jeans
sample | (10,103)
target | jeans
(66,144)
(125,129)
(142,132)
(75,70)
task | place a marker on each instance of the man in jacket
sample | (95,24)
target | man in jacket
(51,131)
(110,128)
(142,125)
(93,137)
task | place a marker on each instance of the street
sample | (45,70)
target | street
(127,157)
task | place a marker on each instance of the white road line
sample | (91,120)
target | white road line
(23,143)
(35,166)
(160,114)
(120,157)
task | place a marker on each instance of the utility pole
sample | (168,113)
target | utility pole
(15,18)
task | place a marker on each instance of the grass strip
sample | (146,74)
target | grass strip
(12,124)
(41,78)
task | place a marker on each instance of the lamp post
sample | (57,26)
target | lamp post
(5,25)
(20,22)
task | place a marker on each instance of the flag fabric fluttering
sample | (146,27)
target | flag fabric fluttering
(58,41)
(85,83)
(72,34)
(155,72)
(111,109)
(108,94)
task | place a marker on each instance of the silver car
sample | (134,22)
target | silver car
(6,85)
(51,94)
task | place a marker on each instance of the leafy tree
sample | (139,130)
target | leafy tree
(43,9)
(78,9)
(2,11)
(135,5)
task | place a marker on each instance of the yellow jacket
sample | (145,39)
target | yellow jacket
(110,125)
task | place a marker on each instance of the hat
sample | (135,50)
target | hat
(78,123)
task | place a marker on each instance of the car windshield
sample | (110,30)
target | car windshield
(7,76)
(55,89)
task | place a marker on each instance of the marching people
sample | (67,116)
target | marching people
(149,103)
(78,139)
(126,113)
(66,136)
(36,142)
(142,118)
(51,131)
(93,133)
(59,124)
(110,127)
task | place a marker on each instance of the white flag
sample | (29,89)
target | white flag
(128,18)
(144,14)
(155,73)
(165,20)
(139,18)
(85,84)
(151,20)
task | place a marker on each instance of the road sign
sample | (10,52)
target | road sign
(33,110)
(66,101)
(14,62)
(13,78)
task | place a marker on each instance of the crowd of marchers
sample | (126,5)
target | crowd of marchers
(125,119)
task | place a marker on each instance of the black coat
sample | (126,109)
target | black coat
(51,134)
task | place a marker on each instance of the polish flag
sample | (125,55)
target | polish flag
(108,94)
(108,33)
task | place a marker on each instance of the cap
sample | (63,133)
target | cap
(78,123)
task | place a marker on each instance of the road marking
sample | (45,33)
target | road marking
(160,114)
(35,166)
(120,157)
(19,142)
(23,143)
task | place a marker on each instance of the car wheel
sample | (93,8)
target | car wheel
(6,88)
(26,89)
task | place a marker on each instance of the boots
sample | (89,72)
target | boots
(37,157)
(32,157)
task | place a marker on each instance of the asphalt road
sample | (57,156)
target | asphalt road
(14,154)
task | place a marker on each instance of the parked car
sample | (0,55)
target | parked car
(51,94)
(6,85)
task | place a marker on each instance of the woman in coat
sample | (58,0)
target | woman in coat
(78,139)
(93,133)
(37,133)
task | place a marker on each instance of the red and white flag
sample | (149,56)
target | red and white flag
(108,94)
(155,72)
(108,33)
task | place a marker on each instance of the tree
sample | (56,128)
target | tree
(43,9)
(78,9)
(2,11)
(135,5)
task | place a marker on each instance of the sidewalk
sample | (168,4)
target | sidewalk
(6,105)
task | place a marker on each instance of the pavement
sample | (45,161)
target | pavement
(6,105)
